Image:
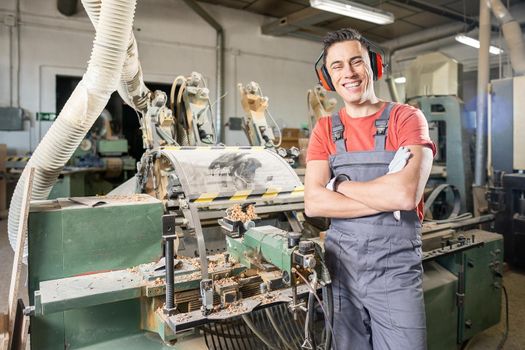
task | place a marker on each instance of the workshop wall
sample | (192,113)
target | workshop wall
(172,40)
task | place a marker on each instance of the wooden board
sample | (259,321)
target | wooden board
(4,334)
(19,251)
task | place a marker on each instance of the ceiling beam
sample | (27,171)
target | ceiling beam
(304,18)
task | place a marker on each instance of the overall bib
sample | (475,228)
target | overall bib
(374,261)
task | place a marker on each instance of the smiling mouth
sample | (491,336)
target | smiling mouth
(352,85)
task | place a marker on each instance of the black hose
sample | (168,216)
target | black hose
(310,318)
(247,320)
(328,299)
(506,333)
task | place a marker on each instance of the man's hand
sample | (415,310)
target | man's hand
(397,164)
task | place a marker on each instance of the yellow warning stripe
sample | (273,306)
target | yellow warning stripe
(271,192)
(299,190)
(207,197)
(207,148)
(17,159)
(240,195)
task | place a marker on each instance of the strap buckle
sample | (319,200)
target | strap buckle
(381,126)
(337,133)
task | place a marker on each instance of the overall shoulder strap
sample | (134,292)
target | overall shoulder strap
(338,133)
(381,124)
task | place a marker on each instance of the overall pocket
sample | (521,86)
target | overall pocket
(404,284)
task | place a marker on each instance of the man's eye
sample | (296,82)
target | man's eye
(357,62)
(337,67)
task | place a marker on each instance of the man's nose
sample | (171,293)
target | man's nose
(349,70)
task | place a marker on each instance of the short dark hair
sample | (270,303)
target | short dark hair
(343,34)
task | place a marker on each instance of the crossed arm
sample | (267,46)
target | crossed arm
(399,191)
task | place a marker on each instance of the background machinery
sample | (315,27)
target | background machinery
(432,86)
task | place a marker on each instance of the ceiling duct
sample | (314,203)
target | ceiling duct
(512,34)
(67,7)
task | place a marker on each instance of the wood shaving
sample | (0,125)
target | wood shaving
(182,317)
(225,282)
(235,213)
(236,307)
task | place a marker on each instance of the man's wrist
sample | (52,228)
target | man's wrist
(339,179)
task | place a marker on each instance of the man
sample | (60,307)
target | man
(373,253)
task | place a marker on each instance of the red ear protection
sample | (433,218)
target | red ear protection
(376,63)
(322,75)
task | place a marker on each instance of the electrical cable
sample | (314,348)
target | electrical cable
(172,91)
(259,335)
(506,333)
(277,329)
(308,329)
(320,304)
(278,129)
(267,111)
(166,136)
(458,218)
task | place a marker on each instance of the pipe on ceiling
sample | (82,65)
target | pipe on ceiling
(424,36)
(512,34)
(219,67)
(439,10)
(481,105)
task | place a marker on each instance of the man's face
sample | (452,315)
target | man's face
(349,67)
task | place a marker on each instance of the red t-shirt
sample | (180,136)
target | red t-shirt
(407,126)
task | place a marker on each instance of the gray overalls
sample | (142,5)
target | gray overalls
(374,261)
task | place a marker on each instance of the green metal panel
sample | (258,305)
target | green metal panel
(273,247)
(66,239)
(98,324)
(147,341)
(112,147)
(47,332)
(69,185)
(78,239)
(482,302)
(483,292)
(267,241)
(440,287)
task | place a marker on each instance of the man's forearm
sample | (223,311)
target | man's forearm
(398,191)
(383,194)
(325,203)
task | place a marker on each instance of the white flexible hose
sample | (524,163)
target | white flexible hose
(132,88)
(512,33)
(83,107)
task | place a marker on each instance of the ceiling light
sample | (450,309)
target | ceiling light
(475,43)
(400,80)
(354,10)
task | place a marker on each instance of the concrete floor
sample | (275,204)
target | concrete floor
(513,280)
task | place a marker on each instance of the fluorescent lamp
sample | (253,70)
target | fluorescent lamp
(475,43)
(400,80)
(354,10)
